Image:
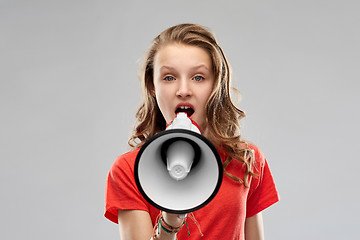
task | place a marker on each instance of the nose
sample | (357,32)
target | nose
(184,89)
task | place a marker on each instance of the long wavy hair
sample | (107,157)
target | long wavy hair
(222,115)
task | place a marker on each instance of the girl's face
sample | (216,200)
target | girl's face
(183,82)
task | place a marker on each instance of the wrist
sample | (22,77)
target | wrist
(164,230)
(168,228)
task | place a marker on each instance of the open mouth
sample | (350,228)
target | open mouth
(186,109)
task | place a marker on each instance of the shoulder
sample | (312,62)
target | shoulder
(125,161)
(260,159)
(128,157)
(259,165)
(262,192)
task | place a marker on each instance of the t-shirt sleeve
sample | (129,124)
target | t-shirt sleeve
(263,192)
(121,191)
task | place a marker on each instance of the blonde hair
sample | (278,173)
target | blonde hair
(222,115)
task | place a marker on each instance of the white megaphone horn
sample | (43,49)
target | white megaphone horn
(178,170)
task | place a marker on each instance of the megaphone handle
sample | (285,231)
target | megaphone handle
(182,216)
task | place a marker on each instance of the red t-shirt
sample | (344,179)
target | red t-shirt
(222,218)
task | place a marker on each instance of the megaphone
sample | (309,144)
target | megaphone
(178,170)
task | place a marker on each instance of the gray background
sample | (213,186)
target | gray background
(69,92)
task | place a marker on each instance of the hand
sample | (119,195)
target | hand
(173,219)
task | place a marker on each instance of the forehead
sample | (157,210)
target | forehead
(181,55)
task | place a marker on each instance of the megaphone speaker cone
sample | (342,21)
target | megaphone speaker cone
(178,171)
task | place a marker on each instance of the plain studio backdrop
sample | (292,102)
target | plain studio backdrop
(69,92)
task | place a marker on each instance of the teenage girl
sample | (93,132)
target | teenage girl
(186,70)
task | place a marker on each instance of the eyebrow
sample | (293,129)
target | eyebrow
(193,68)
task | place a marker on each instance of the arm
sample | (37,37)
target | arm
(254,229)
(137,225)
(134,225)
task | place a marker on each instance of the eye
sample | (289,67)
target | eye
(169,78)
(198,78)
